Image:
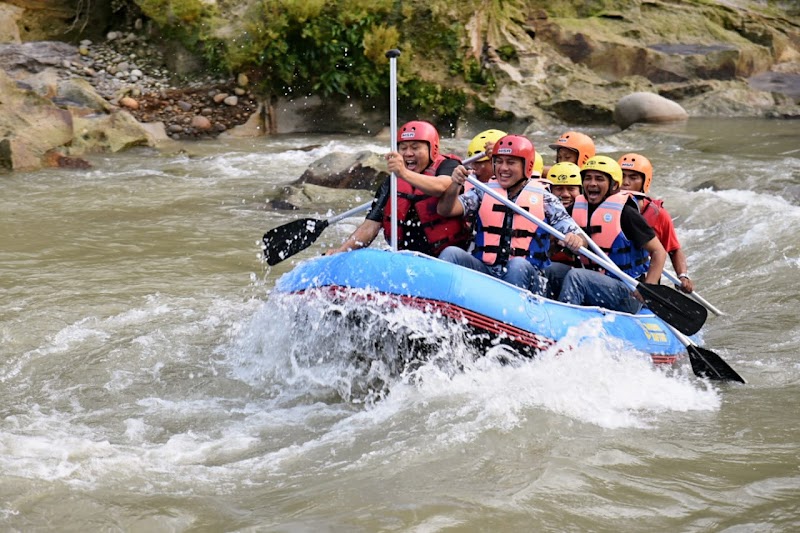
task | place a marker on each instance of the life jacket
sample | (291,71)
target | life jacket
(527,239)
(650,207)
(565,256)
(440,231)
(605,229)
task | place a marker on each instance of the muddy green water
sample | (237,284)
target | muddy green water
(151,381)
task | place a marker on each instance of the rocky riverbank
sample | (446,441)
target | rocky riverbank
(128,70)
(130,87)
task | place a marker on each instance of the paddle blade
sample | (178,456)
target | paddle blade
(284,241)
(673,307)
(707,364)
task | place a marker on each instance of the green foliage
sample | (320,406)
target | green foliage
(336,49)
(507,53)
(441,105)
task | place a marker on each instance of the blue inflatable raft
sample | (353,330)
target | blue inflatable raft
(497,311)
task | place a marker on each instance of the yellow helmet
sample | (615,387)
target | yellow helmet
(565,173)
(606,165)
(478,143)
(538,164)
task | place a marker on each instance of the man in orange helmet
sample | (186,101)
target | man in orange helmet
(423,175)
(574,147)
(637,174)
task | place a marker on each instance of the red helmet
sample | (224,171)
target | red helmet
(419,130)
(579,142)
(640,164)
(516,146)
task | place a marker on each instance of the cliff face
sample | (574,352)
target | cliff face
(518,62)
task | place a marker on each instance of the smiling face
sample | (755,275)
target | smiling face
(415,155)
(508,170)
(566,193)
(596,186)
(632,181)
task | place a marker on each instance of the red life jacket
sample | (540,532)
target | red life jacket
(440,232)
(605,229)
(650,207)
(527,239)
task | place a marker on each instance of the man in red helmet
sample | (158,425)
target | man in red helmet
(508,246)
(423,175)
(637,174)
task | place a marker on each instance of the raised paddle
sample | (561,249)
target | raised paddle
(283,242)
(705,363)
(705,303)
(685,314)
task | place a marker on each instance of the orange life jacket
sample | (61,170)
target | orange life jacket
(605,229)
(527,239)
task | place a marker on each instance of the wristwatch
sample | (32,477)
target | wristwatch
(683,275)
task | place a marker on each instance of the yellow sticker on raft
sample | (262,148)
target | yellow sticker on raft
(654,332)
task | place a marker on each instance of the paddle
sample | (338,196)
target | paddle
(283,242)
(392,55)
(671,306)
(705,363)
(670,276)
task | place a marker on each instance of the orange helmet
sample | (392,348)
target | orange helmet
(640,164)
(419,130)
(516,146)
(581,143)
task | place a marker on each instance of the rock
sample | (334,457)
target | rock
(76,94)
(339,170)
(201,123)
(9,15)
(107,133)
(57,159)
(254,127)
(31,126)
(647,107)
(130,103)
(231,100)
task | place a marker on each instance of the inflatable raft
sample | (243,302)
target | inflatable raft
(493,309)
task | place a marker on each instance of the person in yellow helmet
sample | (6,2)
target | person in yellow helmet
(611,218)
(565,182)
(483,142)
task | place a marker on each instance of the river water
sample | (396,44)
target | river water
(152,381)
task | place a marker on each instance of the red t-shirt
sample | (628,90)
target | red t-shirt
(660,220)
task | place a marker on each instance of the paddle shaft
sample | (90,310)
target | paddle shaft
(363,207)
(393,55)
(632,283)
(674,279)
(678,309)
(705,363)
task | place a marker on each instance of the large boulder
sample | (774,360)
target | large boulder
(340,170)
(31,126)
(647,107)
